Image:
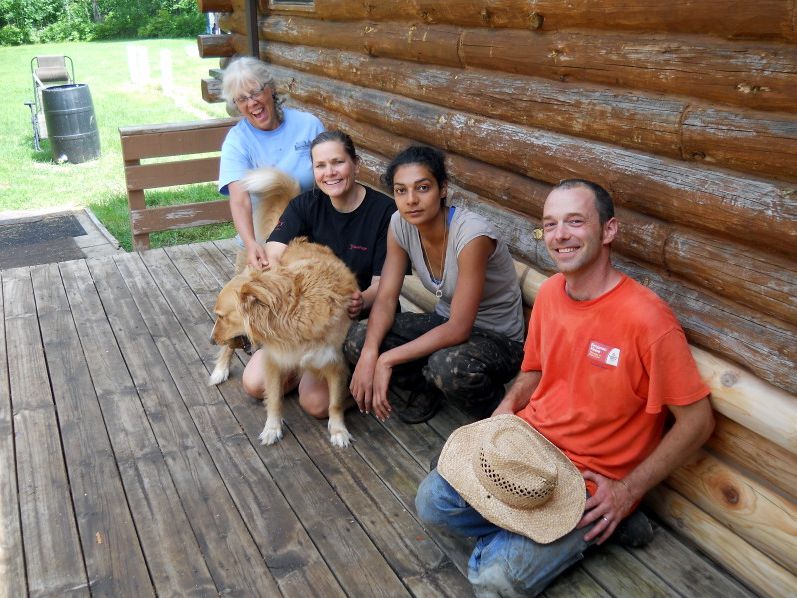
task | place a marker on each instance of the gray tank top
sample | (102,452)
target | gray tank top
(501,306)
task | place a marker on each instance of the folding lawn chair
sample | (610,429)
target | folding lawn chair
(46,71)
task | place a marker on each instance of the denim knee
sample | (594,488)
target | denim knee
(432,501)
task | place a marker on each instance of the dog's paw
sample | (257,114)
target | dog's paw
(271,433)
(219,375)
(341,439)
(339,435)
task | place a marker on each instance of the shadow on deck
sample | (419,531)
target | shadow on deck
(122,473)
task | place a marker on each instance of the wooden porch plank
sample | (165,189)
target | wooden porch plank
(411,552)
(687,572)
(232,557)
(173,555)
(53,555)
(114,561)
(228,247)
(357,564)
(623,575)
(402,474)
(575,582)
(283,542)
(12,562)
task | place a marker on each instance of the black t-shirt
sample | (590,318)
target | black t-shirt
(359,238)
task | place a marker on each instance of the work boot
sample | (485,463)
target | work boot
(415,406)
(635,531)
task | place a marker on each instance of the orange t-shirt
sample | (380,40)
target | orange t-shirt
(608,366)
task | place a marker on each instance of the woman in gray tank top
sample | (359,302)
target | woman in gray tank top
(472,344)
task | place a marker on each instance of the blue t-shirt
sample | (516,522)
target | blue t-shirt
(287,147)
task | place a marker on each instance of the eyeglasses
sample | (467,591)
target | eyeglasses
(255,95)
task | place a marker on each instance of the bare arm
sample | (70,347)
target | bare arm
(614,499)
(519,394)
(380,320)
(241,209)
(472,264)
(274,251)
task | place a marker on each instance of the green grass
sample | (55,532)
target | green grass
(30,180)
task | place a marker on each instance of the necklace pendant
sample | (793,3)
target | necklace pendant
(438,293)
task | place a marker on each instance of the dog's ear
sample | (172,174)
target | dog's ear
(265,291)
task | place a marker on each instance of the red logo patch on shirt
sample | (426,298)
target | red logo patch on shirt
(358,247)
(603,354)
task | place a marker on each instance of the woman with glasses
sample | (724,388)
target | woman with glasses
(268,135)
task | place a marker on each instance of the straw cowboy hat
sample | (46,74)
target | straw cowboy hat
(514,477)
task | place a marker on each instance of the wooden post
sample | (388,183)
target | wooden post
(252,39)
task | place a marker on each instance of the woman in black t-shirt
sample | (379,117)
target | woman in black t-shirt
(349,218)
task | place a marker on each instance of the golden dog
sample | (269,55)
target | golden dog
(297,312)
(274,189)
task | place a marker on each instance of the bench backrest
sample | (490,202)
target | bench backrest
(172,140)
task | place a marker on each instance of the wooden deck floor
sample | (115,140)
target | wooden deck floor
(123,474)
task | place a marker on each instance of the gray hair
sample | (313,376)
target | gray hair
(244,73)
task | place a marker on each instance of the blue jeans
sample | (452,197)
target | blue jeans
(502,563)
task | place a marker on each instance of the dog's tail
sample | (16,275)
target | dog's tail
(275,189)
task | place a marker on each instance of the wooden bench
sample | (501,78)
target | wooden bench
(173,141)
(736,499)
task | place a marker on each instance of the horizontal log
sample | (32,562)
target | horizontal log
(336,35)
(712,200)
(757,514)
(762,280)
(215,5)
(166,174)
(174,139)
(183,216)
(764,345)
(211,90)
(761,457)
(755,142)
(750,401)
(756,75)
(211,46)
(744,140)
(766,19)
(626,118)
(756,569)
(752,74)
(233,23)
(421,43)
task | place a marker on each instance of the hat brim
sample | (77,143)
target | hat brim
(545,524)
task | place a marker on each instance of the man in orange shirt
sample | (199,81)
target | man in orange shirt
(603,356)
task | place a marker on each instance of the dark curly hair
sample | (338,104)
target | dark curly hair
(424,155)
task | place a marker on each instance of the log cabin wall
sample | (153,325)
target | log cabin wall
(685,111)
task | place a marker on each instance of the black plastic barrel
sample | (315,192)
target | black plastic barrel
(71,124)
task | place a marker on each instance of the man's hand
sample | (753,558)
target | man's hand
(256,256)
(606,508)
(355,305)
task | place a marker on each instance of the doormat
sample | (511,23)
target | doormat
(46,252)
(39,230)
